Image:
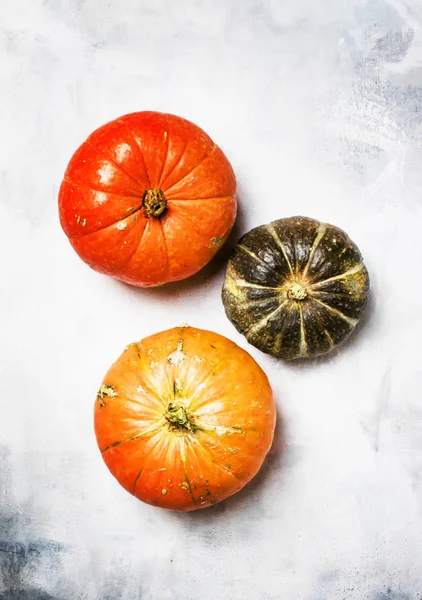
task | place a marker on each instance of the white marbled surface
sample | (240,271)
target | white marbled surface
(318,105)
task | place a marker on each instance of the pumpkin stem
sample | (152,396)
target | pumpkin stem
(154,202)
(297,292)
(176,415)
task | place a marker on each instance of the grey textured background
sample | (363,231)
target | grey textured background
(318,105)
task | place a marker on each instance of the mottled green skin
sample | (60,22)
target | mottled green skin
(296,253)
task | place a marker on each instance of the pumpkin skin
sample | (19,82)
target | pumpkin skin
(296,287)
(148,198)
(184,418)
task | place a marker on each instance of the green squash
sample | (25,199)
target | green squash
(296,287)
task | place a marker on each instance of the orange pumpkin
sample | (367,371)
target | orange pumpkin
(148,198)
(184,418)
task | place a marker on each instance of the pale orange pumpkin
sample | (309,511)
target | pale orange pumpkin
(184,418)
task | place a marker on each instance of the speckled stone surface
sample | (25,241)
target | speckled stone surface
(318,106)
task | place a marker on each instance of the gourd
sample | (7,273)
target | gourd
(148,198)
(184,418)
(296,287)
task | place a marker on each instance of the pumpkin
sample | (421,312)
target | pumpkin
(148,198)
(184,418)
(295,288)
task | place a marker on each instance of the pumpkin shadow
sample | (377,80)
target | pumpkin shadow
(273,463)
(203,277)
(348,345)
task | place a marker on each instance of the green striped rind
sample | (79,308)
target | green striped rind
(264,264)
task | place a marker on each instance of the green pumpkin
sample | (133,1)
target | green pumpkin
(296,287)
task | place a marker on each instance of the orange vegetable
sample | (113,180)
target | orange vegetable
(148,198)
(184,418)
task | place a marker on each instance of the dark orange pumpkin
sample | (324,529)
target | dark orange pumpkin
(184,418)
(148,198)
